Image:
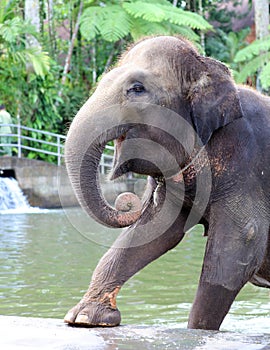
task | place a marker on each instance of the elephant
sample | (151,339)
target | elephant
(203,142)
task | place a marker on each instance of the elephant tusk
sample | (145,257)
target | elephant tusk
(160,183)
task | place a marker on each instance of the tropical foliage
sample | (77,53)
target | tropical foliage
(253,58)
(77,40)
(139,18)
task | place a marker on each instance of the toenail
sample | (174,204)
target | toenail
(82,319)
(68,317)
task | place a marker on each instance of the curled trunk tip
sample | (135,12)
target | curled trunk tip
(130,205)
(128,201)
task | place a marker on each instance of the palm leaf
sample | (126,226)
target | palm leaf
(39,59)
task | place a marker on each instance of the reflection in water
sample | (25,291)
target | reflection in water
(46,265)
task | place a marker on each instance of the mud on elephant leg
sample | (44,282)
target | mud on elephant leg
(98,306)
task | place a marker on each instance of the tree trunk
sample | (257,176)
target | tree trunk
(31,13)
(202,35)
(261,23)
(70,50)
(49,15)
(261,18)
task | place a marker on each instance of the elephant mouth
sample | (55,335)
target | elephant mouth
(118,169)
(130,156)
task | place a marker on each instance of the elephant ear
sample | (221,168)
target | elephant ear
(214,98)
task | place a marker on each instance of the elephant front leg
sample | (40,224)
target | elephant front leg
(234,252)
(136,247)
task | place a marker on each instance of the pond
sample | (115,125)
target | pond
(47,258)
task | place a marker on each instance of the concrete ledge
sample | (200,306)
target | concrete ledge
(19,333)
(41,182)
(47,185)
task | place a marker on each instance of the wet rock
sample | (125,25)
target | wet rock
(18,333)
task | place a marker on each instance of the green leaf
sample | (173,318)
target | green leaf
(147,11)
(11,29)
(186,32)
(115,23)
(254,49)
(265,76)
(141,28)
(39,59)
(185,18)
(89,22)
(157,12)
(252,67)
(110,21)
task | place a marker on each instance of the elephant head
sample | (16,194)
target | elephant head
(160,88)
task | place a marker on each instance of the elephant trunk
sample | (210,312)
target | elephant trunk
(85,143)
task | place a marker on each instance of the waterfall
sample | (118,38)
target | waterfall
(11,196)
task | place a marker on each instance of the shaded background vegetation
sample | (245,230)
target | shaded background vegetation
(52,52)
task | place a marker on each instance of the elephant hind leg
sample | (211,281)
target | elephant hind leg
(234,253)
(262,277)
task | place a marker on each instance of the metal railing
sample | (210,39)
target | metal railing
(23,140)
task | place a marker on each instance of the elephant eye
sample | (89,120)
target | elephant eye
(137,89)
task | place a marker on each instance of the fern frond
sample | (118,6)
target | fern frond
(254,49)
(265,76)
(186,32)
(185,18)
(149,17)
(146,10)
(159,12)
(160,2)
(252,67)
(89,21)
(115,23)
(110,21)
(141,28)
(12,28)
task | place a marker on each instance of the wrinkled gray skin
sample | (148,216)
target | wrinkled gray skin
(234,125)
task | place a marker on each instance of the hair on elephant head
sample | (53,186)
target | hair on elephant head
(204,143)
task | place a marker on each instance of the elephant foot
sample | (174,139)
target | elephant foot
(95,313)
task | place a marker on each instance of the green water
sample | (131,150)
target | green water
(47,259)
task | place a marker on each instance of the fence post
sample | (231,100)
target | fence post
(19,138)
(58,151)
